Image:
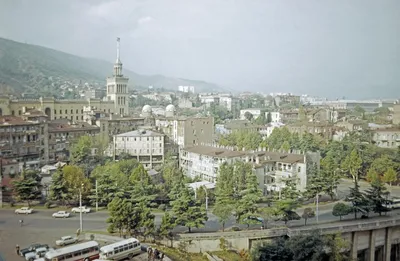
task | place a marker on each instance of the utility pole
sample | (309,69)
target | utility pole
(97,199)
(80,208)
(317,208)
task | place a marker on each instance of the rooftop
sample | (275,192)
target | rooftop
(14,120)
(214,151)
(275,156)
(61,125)
(140,133)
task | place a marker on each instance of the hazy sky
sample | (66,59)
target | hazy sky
(330,47)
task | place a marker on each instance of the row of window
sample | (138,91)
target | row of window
(142,138)
(125,247)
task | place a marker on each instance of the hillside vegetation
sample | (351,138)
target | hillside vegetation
(36,69)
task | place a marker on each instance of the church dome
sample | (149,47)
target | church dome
(170,108)
(146,108)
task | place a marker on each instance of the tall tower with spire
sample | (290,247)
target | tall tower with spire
(117,87)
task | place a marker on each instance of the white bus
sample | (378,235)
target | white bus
(393,203)
(87,251)
(123,249)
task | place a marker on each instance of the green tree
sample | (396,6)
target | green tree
(275,250)
(352,164)
(390,176)
(382,164)
(28,187)
(247,208)
(289,202)
(58,188)
(307,213)
(125,216)
(330,174)
(248,116)
(223,212)
(377,195)
(335,243)
(357,199)
(81,149)
(341,209)
(187,211)
(307,247)
(76,181)
(167,225)
(285,146)
(146,218)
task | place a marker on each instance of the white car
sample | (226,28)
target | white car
(80,209)
(61,214)
(24,210)
(63,241)
(40,252)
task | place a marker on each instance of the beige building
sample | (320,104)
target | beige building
(325,130)
(146,146)
(187,131)
(115,103)
(387,138)
(353,125)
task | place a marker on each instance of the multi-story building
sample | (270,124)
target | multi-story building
(116,101)
(186,131)
(112,125)
(236,125)
(62,132)
(146,146)
(256,112)
(396,114)
(324,129)
(205,161)
(353,125)
(186,89)
(95,93)
(387,137)
(272,168)
(269,128)
(9,167)
(24,140)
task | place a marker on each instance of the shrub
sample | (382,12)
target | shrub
(91,237)
(235,228)
(162,207)
(47,204)
(153,205)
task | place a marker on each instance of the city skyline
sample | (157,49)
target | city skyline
(333,49)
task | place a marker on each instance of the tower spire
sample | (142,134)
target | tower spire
(118,40)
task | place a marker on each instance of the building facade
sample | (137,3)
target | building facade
(396,114)
(146,146)
(387,137)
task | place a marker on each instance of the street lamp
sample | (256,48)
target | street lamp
(80,208)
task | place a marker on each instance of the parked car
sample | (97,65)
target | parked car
(40,252)
(67,240)
(31,248)
(61,214)
(80,209)
(24,210)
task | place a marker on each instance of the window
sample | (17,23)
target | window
(72,111)
(60,111)
(77,111)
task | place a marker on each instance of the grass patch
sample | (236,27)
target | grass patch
(175,255)
(227,255)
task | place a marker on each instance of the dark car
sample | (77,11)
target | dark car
(31,248)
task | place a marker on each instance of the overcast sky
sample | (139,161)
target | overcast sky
(330,47)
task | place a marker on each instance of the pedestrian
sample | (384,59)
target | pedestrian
(156,253)
(17,249)
(162,256)
(21,222)
(149,253)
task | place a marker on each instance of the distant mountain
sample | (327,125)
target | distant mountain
(36,69)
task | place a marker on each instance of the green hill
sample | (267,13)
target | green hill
(40,70)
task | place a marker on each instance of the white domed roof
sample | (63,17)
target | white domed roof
(170,107)
(146,108)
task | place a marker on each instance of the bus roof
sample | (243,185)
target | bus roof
(70,249)
(123,242)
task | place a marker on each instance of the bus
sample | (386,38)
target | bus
(393,203)
(87,251)
(123,249)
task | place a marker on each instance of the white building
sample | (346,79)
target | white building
(228,102)
(272,168)
(145,145)
(254,111)
(269,128)
(205,161)
(275,116)
(186,89)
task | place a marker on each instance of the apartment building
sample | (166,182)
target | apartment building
(112,125)
(272,168)
(353,125)
(9,167)
(146,146)
(236,125)
(62,132)
(23,140)
(205,161)
(323,129)
(387,137)
(187,131)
